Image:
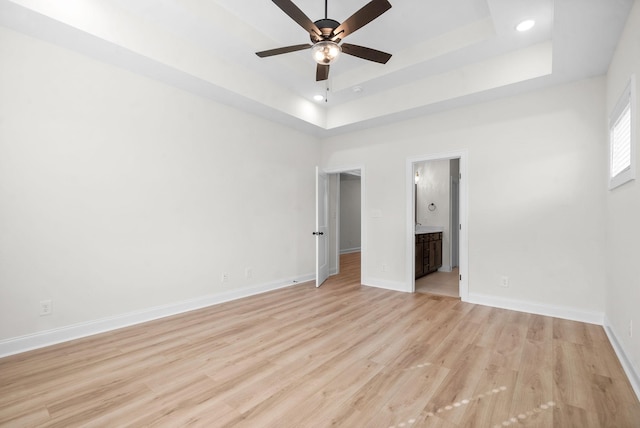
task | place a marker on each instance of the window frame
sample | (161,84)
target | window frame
(627,98)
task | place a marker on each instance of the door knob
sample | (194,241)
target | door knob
(318,233)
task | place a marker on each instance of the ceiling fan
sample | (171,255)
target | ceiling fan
(326,34)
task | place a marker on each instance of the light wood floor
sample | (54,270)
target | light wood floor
(342,355)
(441,283)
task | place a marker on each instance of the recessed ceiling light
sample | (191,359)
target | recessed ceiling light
(526,25)
(318,97)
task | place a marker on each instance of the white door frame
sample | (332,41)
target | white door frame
(463,236)
(454,206)
(363,228)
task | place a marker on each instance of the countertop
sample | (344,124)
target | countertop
(428,229)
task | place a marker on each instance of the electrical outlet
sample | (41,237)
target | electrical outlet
(504,281)
(45,307)
(225,277)
(248,273)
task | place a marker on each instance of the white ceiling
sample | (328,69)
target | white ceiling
(445,53)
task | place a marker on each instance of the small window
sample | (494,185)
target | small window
(622,143)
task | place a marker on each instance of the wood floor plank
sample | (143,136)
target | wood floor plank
(410,396)
(325,404)
(340,355)
(534,384)
(507,351)
(571,375)
(610,412)
(492,400)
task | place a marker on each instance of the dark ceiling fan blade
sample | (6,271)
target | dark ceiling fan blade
(322,72)
(297,15)
(368,13)
(365,53)
(286,49)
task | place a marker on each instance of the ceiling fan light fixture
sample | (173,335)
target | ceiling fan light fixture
(326,52)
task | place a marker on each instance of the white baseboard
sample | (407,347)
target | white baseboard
(633,374)
(350,250)
(386,284)
(445,268)
(41,339)
(537,308)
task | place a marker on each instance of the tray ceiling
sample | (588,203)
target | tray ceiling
(445,54)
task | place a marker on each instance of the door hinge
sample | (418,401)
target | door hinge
(460,277)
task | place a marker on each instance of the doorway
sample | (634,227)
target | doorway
(347,243)
(436,203)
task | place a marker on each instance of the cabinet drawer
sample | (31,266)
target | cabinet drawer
(435,236)
(426,237)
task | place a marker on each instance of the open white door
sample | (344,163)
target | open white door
(322,228)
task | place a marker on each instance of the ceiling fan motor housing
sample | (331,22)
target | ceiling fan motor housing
(326,26)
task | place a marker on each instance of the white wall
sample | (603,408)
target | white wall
(350,213)
(623,210)
(536,206)
(119,193)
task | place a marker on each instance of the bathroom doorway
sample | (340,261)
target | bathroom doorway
(437,211)
(437,217)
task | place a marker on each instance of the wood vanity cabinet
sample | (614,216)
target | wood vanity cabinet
(428,253)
